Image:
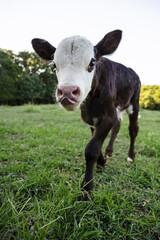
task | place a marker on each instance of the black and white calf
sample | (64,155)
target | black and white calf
(103,89)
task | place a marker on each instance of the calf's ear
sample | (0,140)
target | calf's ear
(43,48)
(108,44)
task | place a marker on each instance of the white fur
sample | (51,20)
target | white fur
(130,110)
(129,160)
(72,58)
(120,112)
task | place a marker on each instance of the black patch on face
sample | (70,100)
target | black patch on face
(91,65)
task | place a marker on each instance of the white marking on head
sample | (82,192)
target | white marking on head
(72,58)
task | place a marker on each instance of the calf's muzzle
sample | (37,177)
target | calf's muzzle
(68,96)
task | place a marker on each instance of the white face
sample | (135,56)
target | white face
(73,58)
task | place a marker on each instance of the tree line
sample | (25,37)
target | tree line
(25,78)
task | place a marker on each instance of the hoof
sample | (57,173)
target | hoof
(101,161)
(84,197)
(108,159)
(130,160)
(108,153)
(101,165)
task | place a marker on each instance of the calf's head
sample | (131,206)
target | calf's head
(75,62)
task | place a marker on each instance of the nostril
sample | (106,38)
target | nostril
(59,92)
(76,92)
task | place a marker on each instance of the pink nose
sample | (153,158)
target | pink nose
(70,92)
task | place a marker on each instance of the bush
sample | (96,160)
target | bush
(150,97)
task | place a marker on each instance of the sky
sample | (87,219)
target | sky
(53,20)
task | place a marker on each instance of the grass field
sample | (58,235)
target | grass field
(42,166)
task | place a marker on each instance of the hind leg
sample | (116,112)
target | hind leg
(115,130)
(133,131)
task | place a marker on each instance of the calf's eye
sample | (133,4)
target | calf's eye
(91,65)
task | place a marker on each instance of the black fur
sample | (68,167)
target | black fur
(113,86)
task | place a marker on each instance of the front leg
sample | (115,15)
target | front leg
(100,161)
(92,154)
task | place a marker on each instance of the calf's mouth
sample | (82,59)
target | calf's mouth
(69,104)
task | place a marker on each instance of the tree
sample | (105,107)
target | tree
(9,74)
(50,81)
(31,62)
(44,82)
(25,78)
(29,88)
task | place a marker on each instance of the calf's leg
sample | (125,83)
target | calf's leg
(93,153)
(133,131)
(100,161)
(115,130)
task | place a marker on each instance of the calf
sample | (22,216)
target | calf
(102,88)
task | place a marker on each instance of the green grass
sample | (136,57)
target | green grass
(42,166)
